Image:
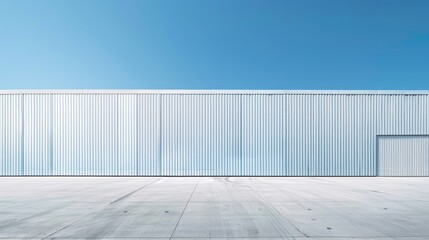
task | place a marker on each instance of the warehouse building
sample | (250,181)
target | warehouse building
(214,133)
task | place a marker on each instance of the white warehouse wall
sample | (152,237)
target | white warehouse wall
(216,133)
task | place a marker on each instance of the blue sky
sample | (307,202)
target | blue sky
(208,44)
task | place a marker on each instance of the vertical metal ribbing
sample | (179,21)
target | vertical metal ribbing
(51,136)
(22,134)
(160,133)
(378,101)
(137,136)
(117,135)
(241,134)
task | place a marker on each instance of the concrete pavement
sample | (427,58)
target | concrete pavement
(214,208)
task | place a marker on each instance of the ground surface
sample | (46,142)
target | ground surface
(215,208)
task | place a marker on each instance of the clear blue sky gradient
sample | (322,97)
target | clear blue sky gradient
(214,44)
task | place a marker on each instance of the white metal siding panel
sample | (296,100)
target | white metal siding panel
(403,155)
(200,134)
(264,142)
(126,135)
(10,134)
(403,115)
(316,135)
(94,134)
(343,135)
(148,135)
(37,134)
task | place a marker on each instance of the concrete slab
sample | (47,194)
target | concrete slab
(127,220)
(233,219)
(214,208)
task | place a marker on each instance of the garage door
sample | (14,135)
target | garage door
(403,155)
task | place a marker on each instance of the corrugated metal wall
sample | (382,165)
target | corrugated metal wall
(243,133)
(11,127)
(200,134)
(94,134)
(403,155)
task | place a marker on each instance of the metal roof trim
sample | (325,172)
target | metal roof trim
(220,91)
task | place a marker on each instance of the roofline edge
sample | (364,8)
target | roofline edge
(204,91)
